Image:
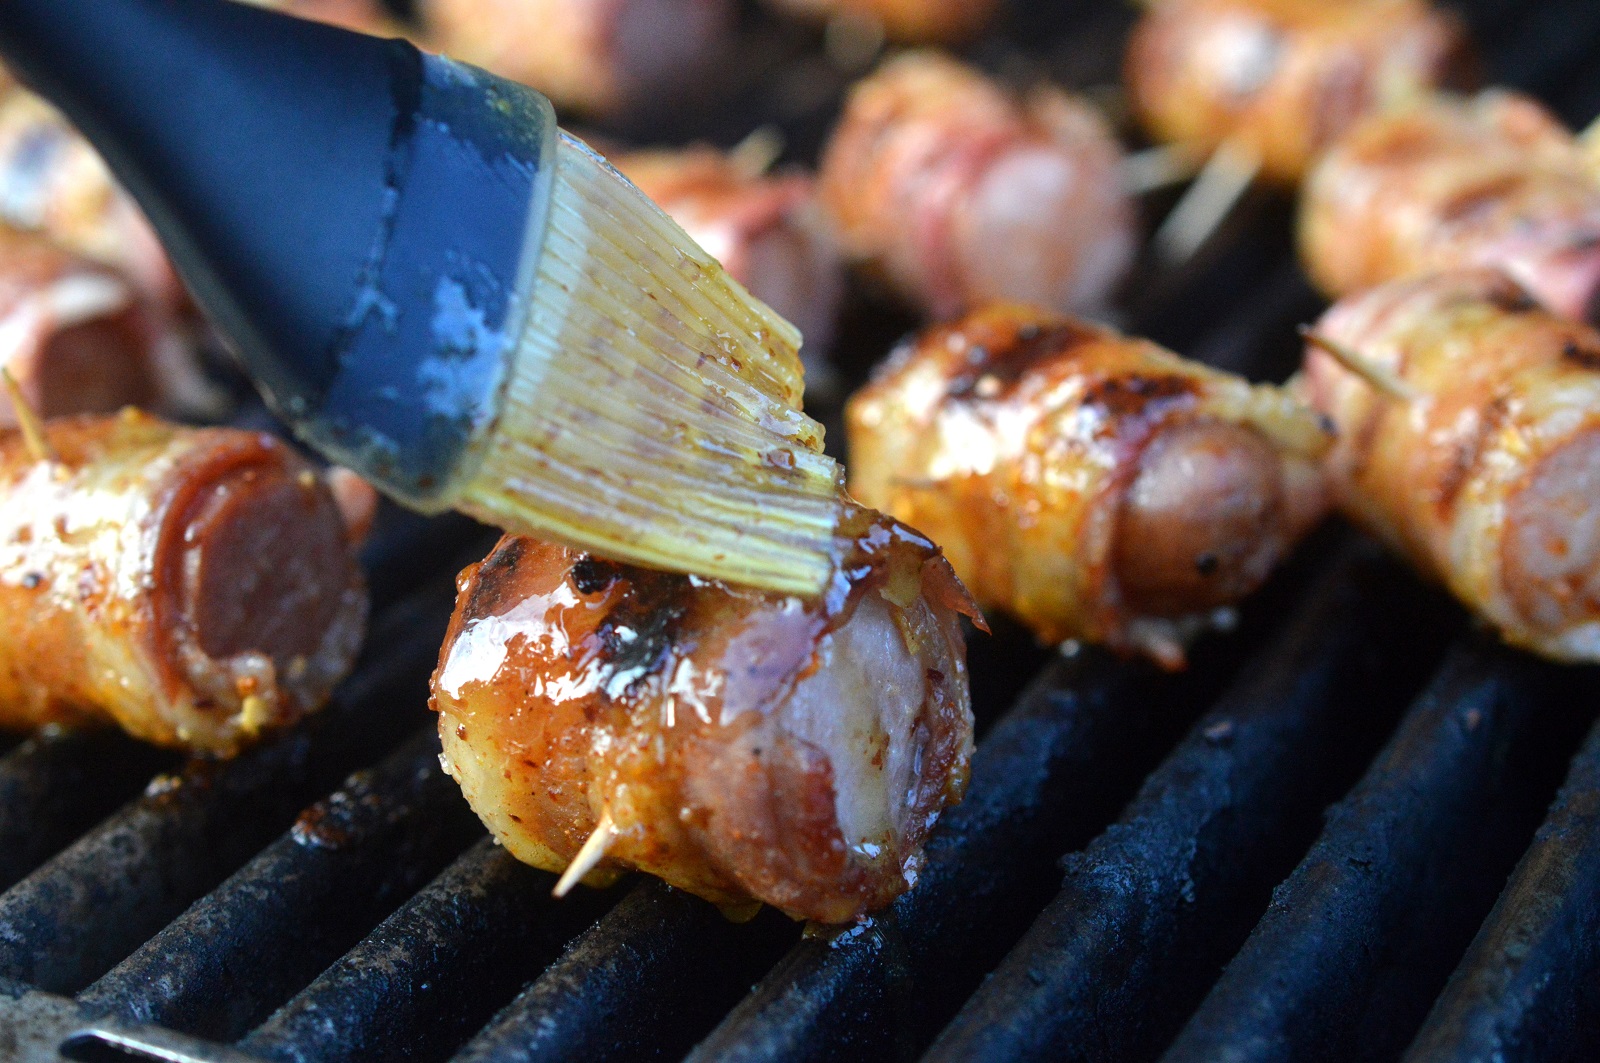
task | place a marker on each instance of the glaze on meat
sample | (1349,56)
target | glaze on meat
(1488,478)
(596,56)
(1096,486)
(1455,183)
(766,230)
(194,586)
(957,192)
(1283,78)
(747,747)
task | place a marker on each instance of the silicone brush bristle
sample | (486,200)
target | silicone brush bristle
(651,412)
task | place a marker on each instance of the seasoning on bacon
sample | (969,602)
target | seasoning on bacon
(746,747)
(596,56)
(959,192)
(195,586)
(766,229)
(1452,183)
(905,21)
(1280,79)
(78,339)
(1483,465)
(1094,485)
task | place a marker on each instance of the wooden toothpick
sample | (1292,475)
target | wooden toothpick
(594,850)
(28,420)
(1379,377)
(1217,189)
(1155,168)
(753,156)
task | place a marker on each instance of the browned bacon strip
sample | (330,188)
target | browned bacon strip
(957,192)
(1281,79)
(742,746)
(1094,485)
(906,21)
(193,585)
(1454,183)
(1486,470)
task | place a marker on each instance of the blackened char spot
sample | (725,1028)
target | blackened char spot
(1469,452)
(494,575)
(997,367)
(1134,394)
(645,626)
(592,575)
(1582,355)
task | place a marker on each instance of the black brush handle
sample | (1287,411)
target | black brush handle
(326,195)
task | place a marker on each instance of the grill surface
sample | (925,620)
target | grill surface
(1283,854)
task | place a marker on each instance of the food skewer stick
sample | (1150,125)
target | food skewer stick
(1157,167)
(753,156)
(1218,187)
(27,419)
(1380,378)
(594,850)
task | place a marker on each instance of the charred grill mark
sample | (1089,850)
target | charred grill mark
(1469,453)
(1582,355)
(491,576)
(643,629)
(1134,394)
(1477,201)
(1511,298)
(994,369)
(591,575)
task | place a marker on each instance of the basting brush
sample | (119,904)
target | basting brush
(437,287)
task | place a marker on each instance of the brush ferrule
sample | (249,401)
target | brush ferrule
(419,364)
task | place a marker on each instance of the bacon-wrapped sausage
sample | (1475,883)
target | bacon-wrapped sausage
(53,182)
(1485,470)
(961,193)
(1282,78)
(1452,183)
(907,21)
(363,16)
(595,56)
(78,339)
(195,586)
(1094,485)
(766,230)
(742,746)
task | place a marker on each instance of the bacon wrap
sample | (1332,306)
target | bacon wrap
(193,585)
(1021,441)
(960,193)
(1283,78)
(363,16)
(1452,183)
(746,746)
(594,56)
(766,230)
(905,21)
(53,182)
(1488,478)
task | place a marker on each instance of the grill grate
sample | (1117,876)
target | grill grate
(282,908)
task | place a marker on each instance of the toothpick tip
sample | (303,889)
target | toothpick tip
(594,850)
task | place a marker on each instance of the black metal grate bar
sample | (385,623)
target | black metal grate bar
(56,785)
(1159,901)
(1362,934)
(298,905)
(1049,775)
(1527,989)
(642,983)
(95,902)
(434,971)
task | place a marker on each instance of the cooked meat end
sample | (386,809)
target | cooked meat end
(1551,550)
(1201,525)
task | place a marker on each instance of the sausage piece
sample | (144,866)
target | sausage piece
(1456,183)
(78,339)
(1485,477)
(1283,78)
(766,230)
(958,192)
(195,586)
(742,746)
(601,57)
(1094,485)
